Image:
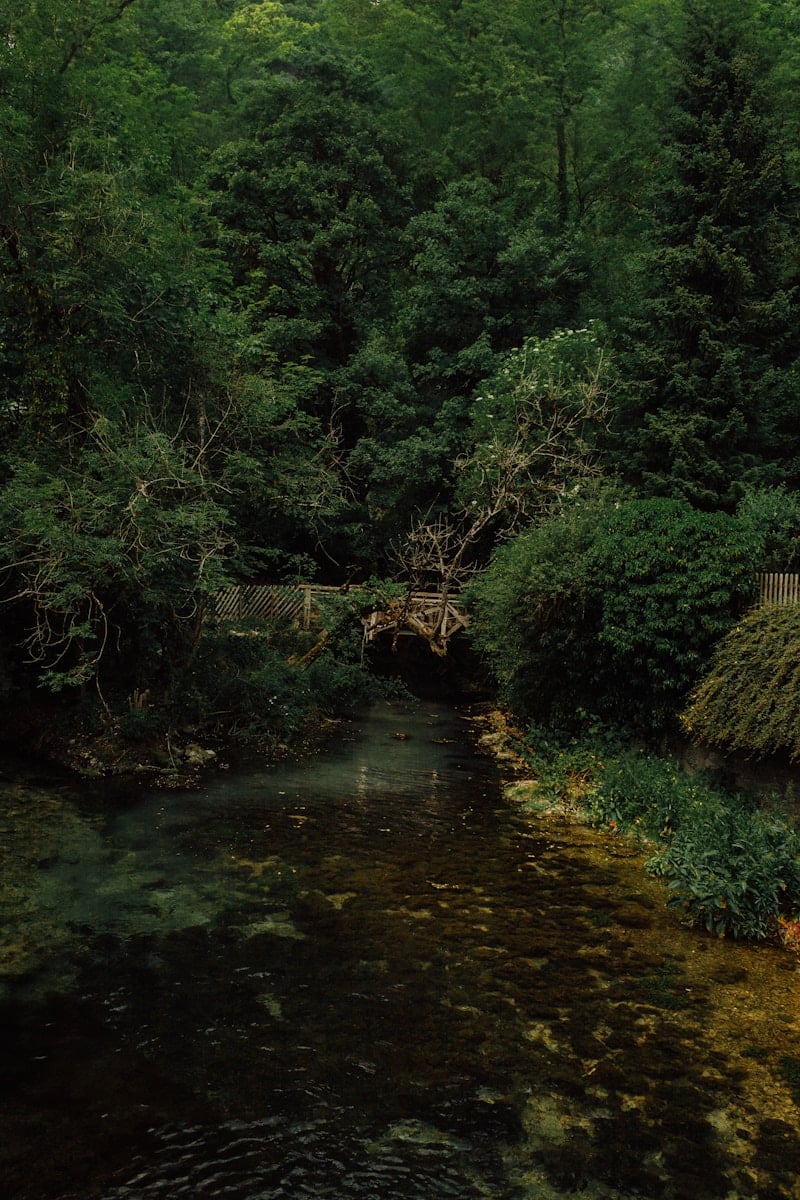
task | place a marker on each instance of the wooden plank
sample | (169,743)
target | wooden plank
(227,603)
(430,615)
(778,587)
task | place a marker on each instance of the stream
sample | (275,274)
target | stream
(369,976)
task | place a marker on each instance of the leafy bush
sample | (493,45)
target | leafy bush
(142,724)
(612,605)
(650,794)
(245,685)
(732,865)
(670,581)
(773,516)
(338,681)
(735,868)
(750,698)
(566,769)
(534,619)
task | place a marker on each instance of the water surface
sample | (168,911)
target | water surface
(368,975)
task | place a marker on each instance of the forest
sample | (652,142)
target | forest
(390,293)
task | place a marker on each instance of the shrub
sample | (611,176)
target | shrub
(527,615)
(566,769)
(243,683)
(648,793)
(337,684)
(773,517)
(613,605)
(670,581)
(735,868)
(750,698)
(142,724)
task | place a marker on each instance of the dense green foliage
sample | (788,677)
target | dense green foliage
(748,700)
(712,389)
(274,281)
(616,602)
(245,684)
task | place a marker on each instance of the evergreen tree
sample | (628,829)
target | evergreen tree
(711,406)
(309,206)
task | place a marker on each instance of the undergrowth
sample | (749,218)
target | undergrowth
(731,862)
(251,684)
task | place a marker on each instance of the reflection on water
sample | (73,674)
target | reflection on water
(367,976)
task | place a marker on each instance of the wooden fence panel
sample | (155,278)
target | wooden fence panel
(264,602)
(431,615)
(778,587)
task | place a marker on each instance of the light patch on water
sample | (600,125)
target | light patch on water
(413,914)
(256,867)
(419,1133)
(542,1032)
(272,1005)
(278,924)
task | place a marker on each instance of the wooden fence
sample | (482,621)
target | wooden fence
(430,615)
(299,602)
(289,602)
(778,588)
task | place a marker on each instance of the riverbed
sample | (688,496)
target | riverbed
(370,975)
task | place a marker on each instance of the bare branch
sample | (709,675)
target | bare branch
(539,449)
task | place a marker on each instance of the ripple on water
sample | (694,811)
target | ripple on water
(313,1158)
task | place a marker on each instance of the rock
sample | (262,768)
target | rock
(198,756)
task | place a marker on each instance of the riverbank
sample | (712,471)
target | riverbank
(730,858)
(94,745)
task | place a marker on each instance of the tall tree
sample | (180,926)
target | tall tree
(455,73)
(308,206)
(712,404)
(114,354)
(495,90)
(572,45)
(102,276)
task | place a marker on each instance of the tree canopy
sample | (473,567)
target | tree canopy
(286,284)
